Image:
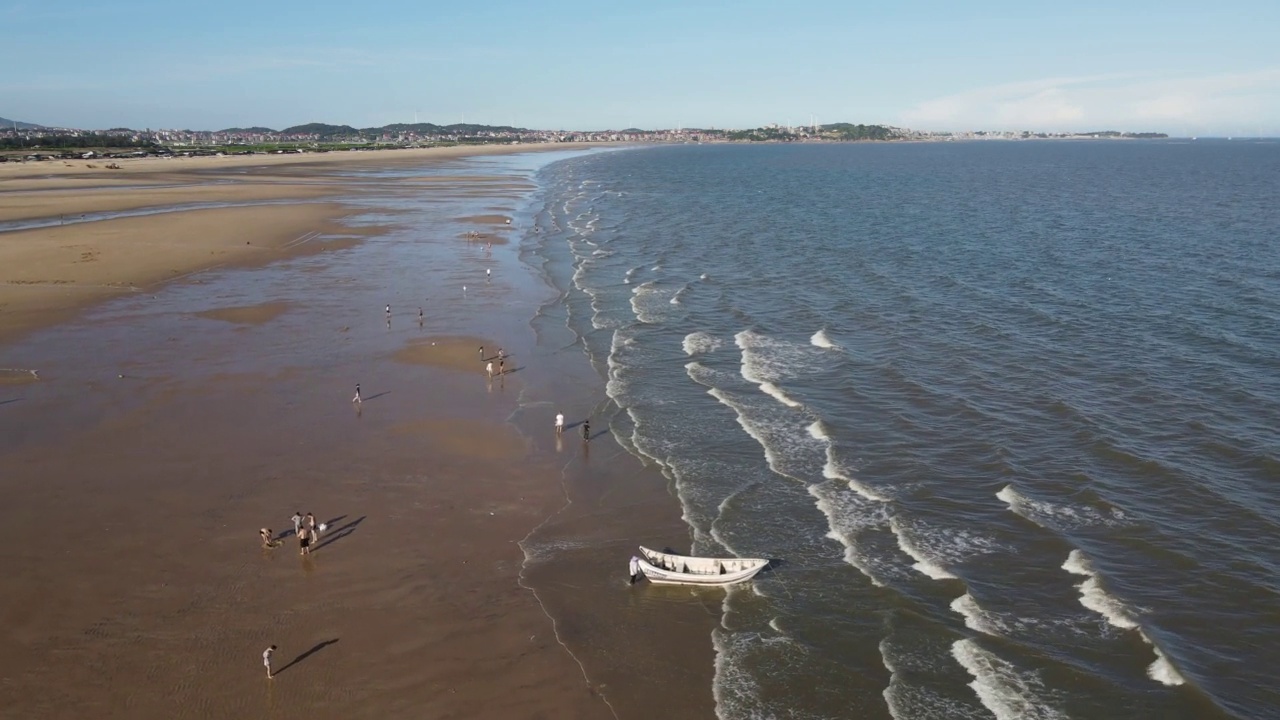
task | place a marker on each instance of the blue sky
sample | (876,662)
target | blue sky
(1177,67)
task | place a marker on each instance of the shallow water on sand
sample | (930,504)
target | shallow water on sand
(1005,414)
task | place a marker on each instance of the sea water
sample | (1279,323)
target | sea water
(1004,414)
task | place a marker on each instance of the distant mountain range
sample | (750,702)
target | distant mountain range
(327,130)
(6,123)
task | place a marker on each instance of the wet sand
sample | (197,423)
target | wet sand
(167,427)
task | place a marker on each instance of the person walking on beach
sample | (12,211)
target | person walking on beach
(502,367)
(635,569)
(419,314)
(586,430)
(481,353)
(388,312)
(559,423)
(357,399)
(266,659)
(488,273)
(266,535)
(297,521)
(310,522)
(489,369)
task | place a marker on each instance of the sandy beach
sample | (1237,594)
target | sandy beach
(195,372)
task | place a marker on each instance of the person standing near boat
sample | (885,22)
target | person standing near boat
(635,569)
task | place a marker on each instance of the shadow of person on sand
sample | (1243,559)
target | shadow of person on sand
(340,533)
(6,402)
(375,397)
(306,655)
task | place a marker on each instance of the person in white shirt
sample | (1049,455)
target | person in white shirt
(559,423)
(266,658)
(635,569)
(297,521)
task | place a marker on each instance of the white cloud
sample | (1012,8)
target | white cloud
(1228,102)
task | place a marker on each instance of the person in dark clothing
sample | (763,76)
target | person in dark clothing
(586,429)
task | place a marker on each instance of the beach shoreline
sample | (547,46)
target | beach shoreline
(72,236)
(140,470)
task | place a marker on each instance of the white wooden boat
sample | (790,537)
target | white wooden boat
(671,569)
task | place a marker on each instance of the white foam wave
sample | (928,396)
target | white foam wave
(736,690)
(911,694)
(1095,597)
(697,343)
(821,340)
(1007,691)
(546,551)
(848,515)
(975,618)
(788,450)
(923,561)
(776,393)
(1162,671)
(647,302)
(835,470)
(1114,610)
(935,548)
(1060,517)
(766,359)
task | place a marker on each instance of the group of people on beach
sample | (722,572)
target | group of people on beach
(586,426)
(304,527)
(502,362)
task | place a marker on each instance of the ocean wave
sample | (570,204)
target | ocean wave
(767,359)
(820,339)
(1009,692)
(848,516)
(736,689)
(936,548)
(1060,517)
(650,303)
(698,343)
(1095,597)
(1119,614)
(776,393)
(1009,625)
(788,449)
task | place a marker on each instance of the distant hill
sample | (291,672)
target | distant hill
(10,124)
(849,131)
(433,129)
(258,130)
(321,129)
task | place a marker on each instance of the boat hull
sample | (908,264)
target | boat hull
(671,569)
